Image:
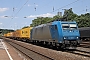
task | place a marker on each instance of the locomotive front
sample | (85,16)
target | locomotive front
(70,34)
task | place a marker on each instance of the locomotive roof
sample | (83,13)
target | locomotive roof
(54,21)
(42,25)
(60,19)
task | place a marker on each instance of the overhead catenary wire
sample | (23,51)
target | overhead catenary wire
(50,12)
(13,9)
(65,6)
(53,8)
(20,8)
(35,7)
(86,10)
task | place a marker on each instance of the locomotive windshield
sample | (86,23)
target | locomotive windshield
(69,26)
(73,26)
(65,26)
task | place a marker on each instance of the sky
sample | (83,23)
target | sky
(12,12)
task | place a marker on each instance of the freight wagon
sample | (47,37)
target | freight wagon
(84,33)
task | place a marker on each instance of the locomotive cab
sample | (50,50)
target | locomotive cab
(68,34)
(70,31)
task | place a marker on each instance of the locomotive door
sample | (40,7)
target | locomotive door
(54,32)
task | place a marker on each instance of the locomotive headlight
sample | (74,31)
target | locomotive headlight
(64,37)
(77,37)
(70,31)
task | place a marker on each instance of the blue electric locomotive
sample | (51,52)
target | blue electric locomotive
(58,33)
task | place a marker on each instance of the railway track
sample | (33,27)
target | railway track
(31,54)
(40,54)
(85,44)
(79,52)
(82,50)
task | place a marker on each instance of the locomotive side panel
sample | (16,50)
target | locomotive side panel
(41,33)
(46,33)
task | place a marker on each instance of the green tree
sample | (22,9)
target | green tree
(57,17)
(83,20)
(40,20)
(69,15)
